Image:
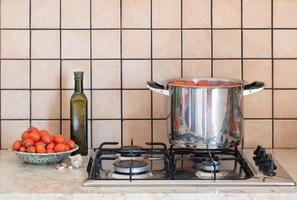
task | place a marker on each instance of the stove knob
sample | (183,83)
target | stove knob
(258,149)
(260,155)
(269,168)
(262,162)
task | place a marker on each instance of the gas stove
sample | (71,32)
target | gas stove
(156,165)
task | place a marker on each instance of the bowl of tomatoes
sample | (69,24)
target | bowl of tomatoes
(41,147)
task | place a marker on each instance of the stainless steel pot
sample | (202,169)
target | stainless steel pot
(205,112)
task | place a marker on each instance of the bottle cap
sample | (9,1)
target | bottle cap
(79,75)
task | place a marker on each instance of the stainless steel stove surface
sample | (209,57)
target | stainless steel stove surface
(156,165)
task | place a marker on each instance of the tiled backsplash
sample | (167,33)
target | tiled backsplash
(120,44)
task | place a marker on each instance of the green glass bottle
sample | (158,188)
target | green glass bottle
(79,115)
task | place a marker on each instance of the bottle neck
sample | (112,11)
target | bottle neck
(78,85)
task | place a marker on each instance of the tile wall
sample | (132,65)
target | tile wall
(120,44)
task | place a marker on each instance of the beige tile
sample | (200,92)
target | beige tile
(285,134)
(136,44)
(285,44)
(106,131)
(132,67)
(45,14)
(75,14)
(14,43)
(166,44)
(285,74)
(257,14)
(136,104)
(105,44)
(257,44)
(227,69)
(166,13)
(9,18)
(52,126)
(45,44)
(75,44)
(284,103)
(106,74)
(196,13)
(257,132)
(14,74)
(68,69)
(160,132)
(45,104)
(258,70)
(196,68)
(45,74)
(66,131)
(258,105)
(226,44)
(284,14)
(106,104)
(226,13)
(15,104)
(160,105)
(12,130)
(109,15)
(196,44)
(166,69)
(137,130)
(66,96)
(136,13)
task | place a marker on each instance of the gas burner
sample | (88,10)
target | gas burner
(211,175)
(209,166)
(130,166)
(146,175)
(131,151)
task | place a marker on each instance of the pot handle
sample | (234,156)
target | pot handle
(253,87)
(156,87)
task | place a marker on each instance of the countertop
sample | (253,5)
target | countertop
(24,181)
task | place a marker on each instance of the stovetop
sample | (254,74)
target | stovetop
(157,165)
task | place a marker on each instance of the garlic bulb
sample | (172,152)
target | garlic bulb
(76,161)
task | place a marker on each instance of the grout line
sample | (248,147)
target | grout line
(71,59)
(241,54)
(30,62)
(272,77)
(0,81)
(61,68)
(140,29)
(211,38)
(121,70)
(152,70)
(98,119)
(91,76)
(181,40)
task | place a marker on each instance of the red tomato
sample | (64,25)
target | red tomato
(28,142)
(25,135)
(31,149)
(50,146)
(67,148)
(47,139)
(16,145)
(40,148)
(23,149)
(70,143)
(43,132)
(60,147)
(59,139)
(50,151)
(34,135)
(33,129)
(39,143)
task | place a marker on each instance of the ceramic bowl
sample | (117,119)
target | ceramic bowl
(44,158)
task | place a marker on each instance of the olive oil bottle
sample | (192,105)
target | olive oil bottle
(79,115)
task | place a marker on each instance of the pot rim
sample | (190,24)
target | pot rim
(237,82)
